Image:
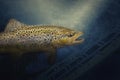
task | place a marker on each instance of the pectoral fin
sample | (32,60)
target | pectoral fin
(51,56)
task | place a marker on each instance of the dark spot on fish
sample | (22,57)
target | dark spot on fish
(55,38)
(52,33)
(48,35)
(45,39)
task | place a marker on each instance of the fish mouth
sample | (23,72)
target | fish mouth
(78,38)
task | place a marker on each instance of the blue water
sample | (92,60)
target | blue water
(108,20)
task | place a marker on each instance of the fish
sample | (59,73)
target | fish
(19,38)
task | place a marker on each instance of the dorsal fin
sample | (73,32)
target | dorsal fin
(14,25)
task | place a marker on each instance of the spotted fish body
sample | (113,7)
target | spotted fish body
(19,38)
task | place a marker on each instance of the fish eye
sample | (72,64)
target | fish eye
(70,35)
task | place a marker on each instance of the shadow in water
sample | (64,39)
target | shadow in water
(27,66)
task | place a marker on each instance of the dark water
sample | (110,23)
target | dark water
(30,66)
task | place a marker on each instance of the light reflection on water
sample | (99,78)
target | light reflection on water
(38,12)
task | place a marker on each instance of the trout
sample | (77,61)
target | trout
(19,38)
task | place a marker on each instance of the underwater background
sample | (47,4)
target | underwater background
(95,59)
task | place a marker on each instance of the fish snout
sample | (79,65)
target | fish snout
(78,38)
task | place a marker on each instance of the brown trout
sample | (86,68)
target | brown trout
(19,38)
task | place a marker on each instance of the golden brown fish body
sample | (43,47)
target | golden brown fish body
(20,38)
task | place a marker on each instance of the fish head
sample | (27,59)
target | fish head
(70,37)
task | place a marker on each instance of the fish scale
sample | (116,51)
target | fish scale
(19,38)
